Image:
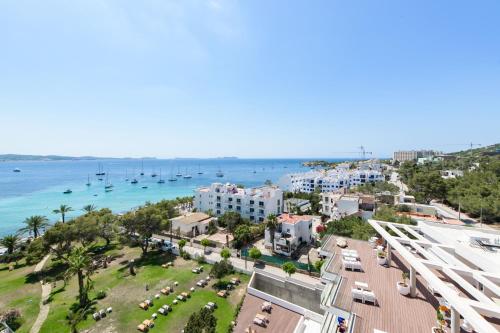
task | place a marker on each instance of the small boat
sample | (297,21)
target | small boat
(108,185)
(108,190)
(134,181)
(172,179)
(199,171)
(68,191)
(100,171)
(161,181)
(153,174)
(219,174)
(126,175)
(142,168)
(187,176)
(16,170)
(88,180)
(179,174)
(144,187)
(101,179)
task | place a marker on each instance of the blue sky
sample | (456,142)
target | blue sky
(247,78)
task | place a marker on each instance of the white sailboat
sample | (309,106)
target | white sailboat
(161,181)
(187,175)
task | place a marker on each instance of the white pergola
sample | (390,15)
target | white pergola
(427,254)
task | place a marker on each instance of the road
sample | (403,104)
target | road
(449,212)
(396,181)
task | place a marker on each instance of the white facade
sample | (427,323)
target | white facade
(253,203)
(336,206)
(292,231)
(191,224)
(328,180)
(447,174)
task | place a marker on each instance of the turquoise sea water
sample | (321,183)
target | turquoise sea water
(38,188)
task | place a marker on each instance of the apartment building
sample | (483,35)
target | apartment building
(328,180)
(252,203)
(293,230)
(414,155)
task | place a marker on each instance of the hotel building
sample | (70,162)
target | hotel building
(252,203)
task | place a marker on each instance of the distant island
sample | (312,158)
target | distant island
(18,157)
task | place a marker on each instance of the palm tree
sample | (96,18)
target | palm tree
(10,242)
(34,224)
(89,208)
(272,225)
(63,210)
(78,262)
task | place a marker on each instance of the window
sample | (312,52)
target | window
(261,219)
(230,206)
(252,218)
(252,202)
(252,210)
(261,211)
(218,212)
(238,208)
(261,203)
(218,205)
(218,198)
(230,199)
(238,200)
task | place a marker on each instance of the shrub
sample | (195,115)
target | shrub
(100,294)
(221,269)
(186,255)
(221,285)
(12,318)
(201,259)
(201,321)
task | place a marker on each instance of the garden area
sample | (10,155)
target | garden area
(123,292)
(19,292)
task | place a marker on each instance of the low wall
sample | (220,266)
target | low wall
(295,296)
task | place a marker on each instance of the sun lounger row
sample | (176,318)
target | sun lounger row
(168,264)
(166,291)
(201,283)
(260,320)
(352,265)
(211,306)
(350,253)
(146,325)
(101,313)
(364,296)
(197,270)
(266,306)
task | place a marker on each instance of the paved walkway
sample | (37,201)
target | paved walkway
(44,307)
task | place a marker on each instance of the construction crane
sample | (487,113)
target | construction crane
(362,151)
(470,144)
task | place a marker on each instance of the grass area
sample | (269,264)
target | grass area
(125,292)
(19,291)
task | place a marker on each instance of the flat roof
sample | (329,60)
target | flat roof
(293,219)
(191,218)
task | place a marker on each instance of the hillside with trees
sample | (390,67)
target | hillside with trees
(477,192)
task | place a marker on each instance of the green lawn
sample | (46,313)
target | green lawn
(125,292)
(19,291)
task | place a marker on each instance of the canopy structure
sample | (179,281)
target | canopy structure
(468,257)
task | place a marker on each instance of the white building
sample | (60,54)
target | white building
(252,203)
(191,224)
(447,174)
(328,180)
(337,205)
(292,231)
